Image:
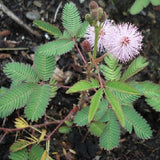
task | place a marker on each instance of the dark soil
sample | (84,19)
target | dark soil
(130,148)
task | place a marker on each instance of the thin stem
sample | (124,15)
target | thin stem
(99,76)
(3,136)
(62,121)
(95,42)
(35,126)
(81,55)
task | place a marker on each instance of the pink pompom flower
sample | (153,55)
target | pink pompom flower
(124,42)
(90,35)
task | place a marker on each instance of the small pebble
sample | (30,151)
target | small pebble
(47,36)
(1,13)
(37,3)
(33,15)
(81,1)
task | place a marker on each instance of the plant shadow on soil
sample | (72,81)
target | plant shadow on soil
(130,148)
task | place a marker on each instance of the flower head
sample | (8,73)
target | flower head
(124,41)
(86,46)
(90,35)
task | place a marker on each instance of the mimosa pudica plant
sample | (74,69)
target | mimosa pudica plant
(110,91)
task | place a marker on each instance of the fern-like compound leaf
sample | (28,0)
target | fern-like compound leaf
(5,113)
(19,155)
(116,106)
(111,70)
(36,152)
(3,90)
(154,102)
(111,133)
(38,102)
(96,128)
(20,72)
(121,87)
(136,66)
(82,85)
(57,47)
(147,88)
(81,118)
(82,29)
(71,19)
(53,86)
(66,35)
(44,66)
(94,104)
(20,144)
(49,28)
(102,109)
(16,97)
(125,98)
(139,124)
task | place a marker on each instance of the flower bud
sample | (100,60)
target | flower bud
(86,46)
(95,14)
(93,5)
(100,12)
(88,18)
(104,17)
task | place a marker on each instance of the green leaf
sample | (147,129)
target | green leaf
(102,109)
(121,87)
(16,97)
(138,6)
(3,90)
(111,133)
(38,102)
(66,35)
(155,2)
(111,70)
(49,28)
(19,155)
(82,29)
(20,72)
(36,152)
(136,66)
(125,98)
(141,128)
(96,128)
(116,106)
(5,113)
(94,104)
(44,66)
(64,129)
(154,102)
(19,145)
(82,85)
(57,47)
(71,19)
(53,86)
(95,82)
(146,88)
(68,123)
(81,118)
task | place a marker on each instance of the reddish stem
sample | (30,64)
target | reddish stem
(99,76)
(62,121)
(35,126)
(3,136)
(81,54)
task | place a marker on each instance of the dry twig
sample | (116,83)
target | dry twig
(17,20)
